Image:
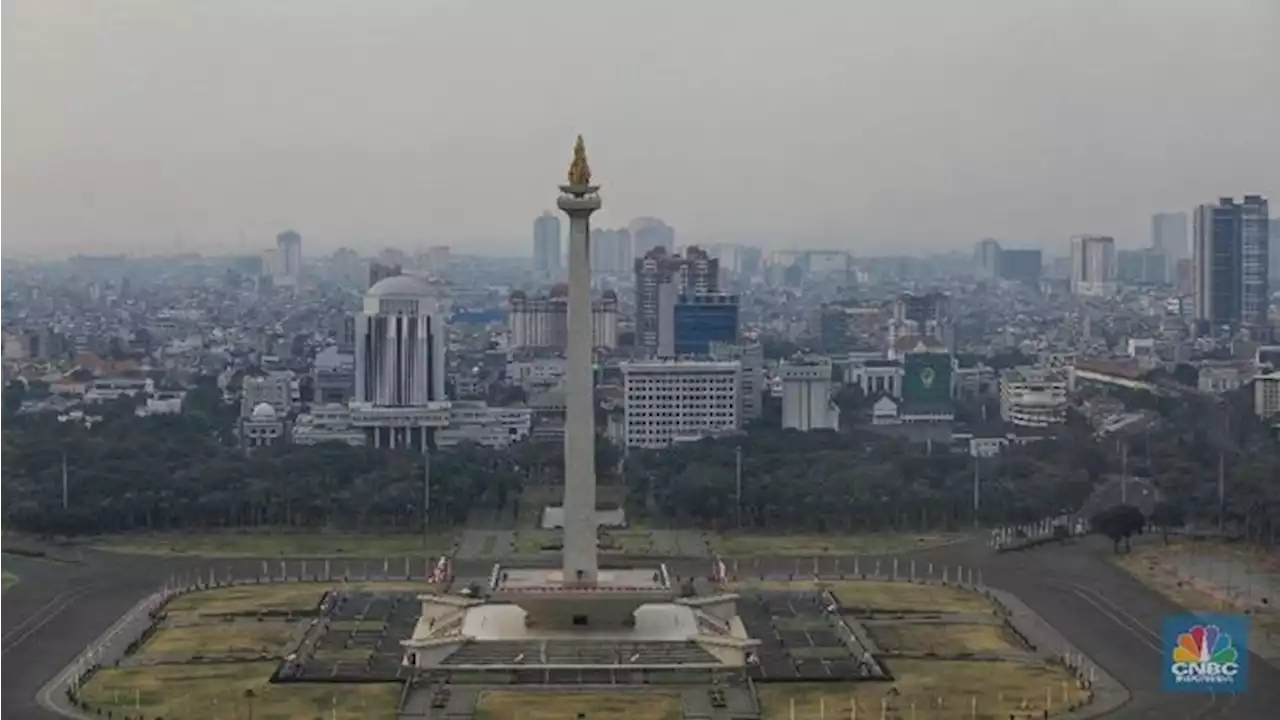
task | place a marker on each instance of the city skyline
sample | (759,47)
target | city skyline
(360,128)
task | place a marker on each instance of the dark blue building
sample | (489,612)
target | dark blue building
(703,319)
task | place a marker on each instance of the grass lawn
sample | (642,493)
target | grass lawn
(1000,689)
(630,541)
(279,544)
(219,691)
(887,596)
(503,705)
(250,599)
(943,638)
(530,541)
(9,580)
(243,637)
(302,598)
(808,545)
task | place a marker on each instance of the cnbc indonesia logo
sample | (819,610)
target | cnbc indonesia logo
(1205,655)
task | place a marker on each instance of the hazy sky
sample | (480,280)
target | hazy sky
(862,124)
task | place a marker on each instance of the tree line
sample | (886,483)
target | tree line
(184,472)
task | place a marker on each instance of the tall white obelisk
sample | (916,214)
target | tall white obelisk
(578,199)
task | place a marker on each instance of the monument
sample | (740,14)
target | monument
(578,616)
(578,199)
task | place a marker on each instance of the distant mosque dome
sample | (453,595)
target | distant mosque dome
(264,411)
(400,286)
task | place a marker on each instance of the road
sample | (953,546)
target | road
(59,608)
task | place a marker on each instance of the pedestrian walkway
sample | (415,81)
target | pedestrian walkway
(486,544)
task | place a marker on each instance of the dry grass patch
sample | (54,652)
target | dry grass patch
(809,545)
(279,544)
(1000,689)
(245,637)
(503,705)
(1148,565)
(219,691)
(943,638)
(250,599)
(876,595)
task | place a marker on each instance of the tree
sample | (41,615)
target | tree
(1166,515)
(1119,523)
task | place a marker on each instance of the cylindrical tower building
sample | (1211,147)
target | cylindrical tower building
(400,345)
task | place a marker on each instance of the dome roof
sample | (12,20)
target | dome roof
(264,411)
(401,286)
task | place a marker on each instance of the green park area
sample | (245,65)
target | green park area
(268,544)
(213,653)
(763,545)
(639,705)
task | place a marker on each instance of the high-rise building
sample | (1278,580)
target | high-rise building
(400,345)
(661,278)
(649,233)
(1146,266)
(289,247)
(400,397)
(1093,265)
(1022,266)
(546,243)
(543,322)
(1273,252)
(986,259)
(611,251)
(1230,263)
(1169,236)
(700,320)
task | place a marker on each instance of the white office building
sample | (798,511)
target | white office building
(668,401)
(807,395)
(1033,397)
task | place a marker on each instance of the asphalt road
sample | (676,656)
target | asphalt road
(59,608)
